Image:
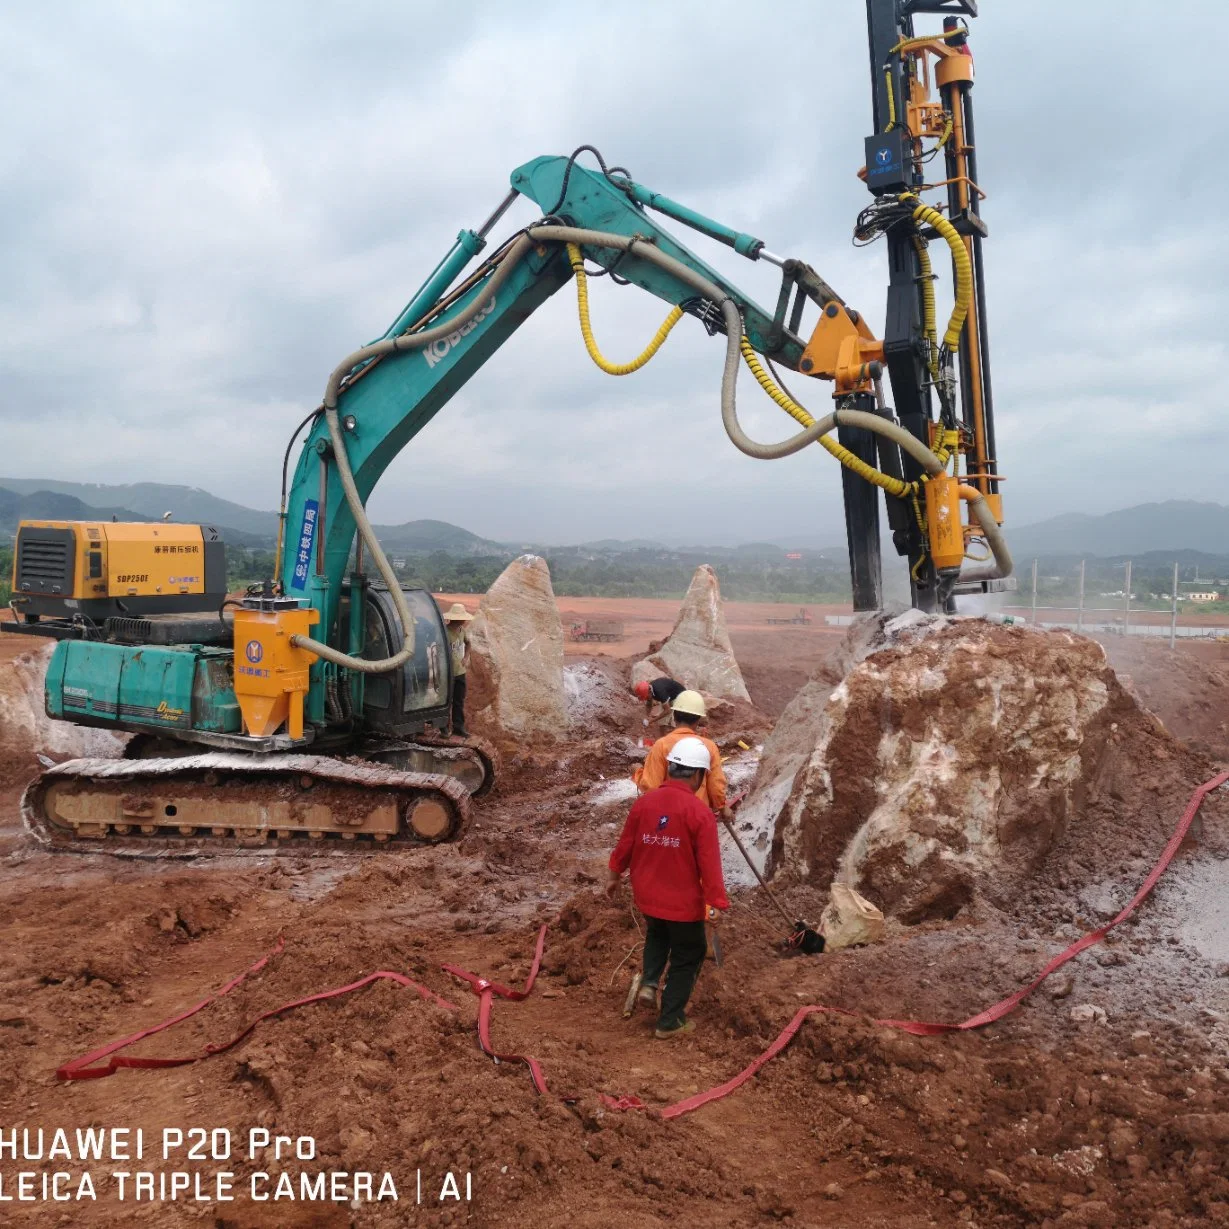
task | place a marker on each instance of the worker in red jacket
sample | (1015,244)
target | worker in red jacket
(670,843)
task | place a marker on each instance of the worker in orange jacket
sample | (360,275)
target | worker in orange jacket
(689,713)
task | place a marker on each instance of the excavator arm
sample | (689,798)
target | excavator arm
(383,394)
(385,402)
(384,399)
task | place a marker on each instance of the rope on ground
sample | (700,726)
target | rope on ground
(631,951)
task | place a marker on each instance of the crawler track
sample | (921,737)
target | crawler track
(228,803)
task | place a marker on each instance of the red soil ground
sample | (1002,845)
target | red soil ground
(1036,1120)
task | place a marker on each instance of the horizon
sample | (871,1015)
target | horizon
(675,544)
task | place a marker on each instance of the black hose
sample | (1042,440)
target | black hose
(281,507)
(608,172)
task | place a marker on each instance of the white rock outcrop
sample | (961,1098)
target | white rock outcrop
(515,670)
(945,763)
(26,731)
(697,652)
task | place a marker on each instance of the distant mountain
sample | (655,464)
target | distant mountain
(1173,526)
(618,545)
(1178,529)
(424,537)
(52,506)
(149,500)
(48,498)
(39,505)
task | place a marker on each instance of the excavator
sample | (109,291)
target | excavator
(312,712)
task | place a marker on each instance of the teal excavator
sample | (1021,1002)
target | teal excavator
(315,708)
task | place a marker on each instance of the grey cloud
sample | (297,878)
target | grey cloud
(203,208)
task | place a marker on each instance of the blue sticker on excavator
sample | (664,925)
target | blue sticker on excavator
(307,536)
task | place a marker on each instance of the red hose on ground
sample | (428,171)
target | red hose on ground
(923,1029)
(84,1069)
(485,991)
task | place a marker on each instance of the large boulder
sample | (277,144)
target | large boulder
(26,731)
(515,669)
(945,763)
(697,652)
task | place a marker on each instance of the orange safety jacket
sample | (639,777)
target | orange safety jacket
(653,774)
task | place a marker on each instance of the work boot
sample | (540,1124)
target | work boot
(647,996)
(665,1034)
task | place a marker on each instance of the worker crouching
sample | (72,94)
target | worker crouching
(669,843)
(657,696)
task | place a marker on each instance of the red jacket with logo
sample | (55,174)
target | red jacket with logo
(670,843)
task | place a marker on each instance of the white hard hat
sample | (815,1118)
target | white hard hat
(690,753)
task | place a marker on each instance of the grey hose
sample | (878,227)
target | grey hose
(729,416)
(979,510)
(907,441)
(390,345)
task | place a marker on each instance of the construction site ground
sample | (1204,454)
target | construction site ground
(1036,1120)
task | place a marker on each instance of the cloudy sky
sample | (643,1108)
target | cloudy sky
(204,207)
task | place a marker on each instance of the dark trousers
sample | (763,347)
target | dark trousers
(458,704)
(684,945)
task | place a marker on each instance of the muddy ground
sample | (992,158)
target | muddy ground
(1035,1120)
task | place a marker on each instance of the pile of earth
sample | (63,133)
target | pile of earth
(952,761)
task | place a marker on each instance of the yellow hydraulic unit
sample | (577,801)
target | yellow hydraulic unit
(100,569)
(271,674)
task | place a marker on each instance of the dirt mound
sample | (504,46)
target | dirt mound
(26,730)
(515,670)
(697,652)
(946,763)
(596,693)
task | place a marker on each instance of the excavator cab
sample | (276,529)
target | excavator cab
(418,695)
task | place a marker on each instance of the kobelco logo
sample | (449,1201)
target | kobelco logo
(442,345)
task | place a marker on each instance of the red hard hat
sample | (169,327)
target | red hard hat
(642,690)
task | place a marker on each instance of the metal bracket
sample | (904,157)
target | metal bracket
(966,7)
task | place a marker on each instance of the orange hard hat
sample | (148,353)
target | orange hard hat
(642,690)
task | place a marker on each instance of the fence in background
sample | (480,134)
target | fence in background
(1119,625)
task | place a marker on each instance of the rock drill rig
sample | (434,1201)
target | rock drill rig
(319,708)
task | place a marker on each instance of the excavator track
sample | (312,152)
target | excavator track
(470,761)
(231,803)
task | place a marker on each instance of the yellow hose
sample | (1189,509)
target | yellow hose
(960,261)
(893,486)
(887,81)
(586,331)
(927,279)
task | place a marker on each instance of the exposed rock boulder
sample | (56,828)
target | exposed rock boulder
(946,763)
(515,669)
(698,651)
(26,731)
